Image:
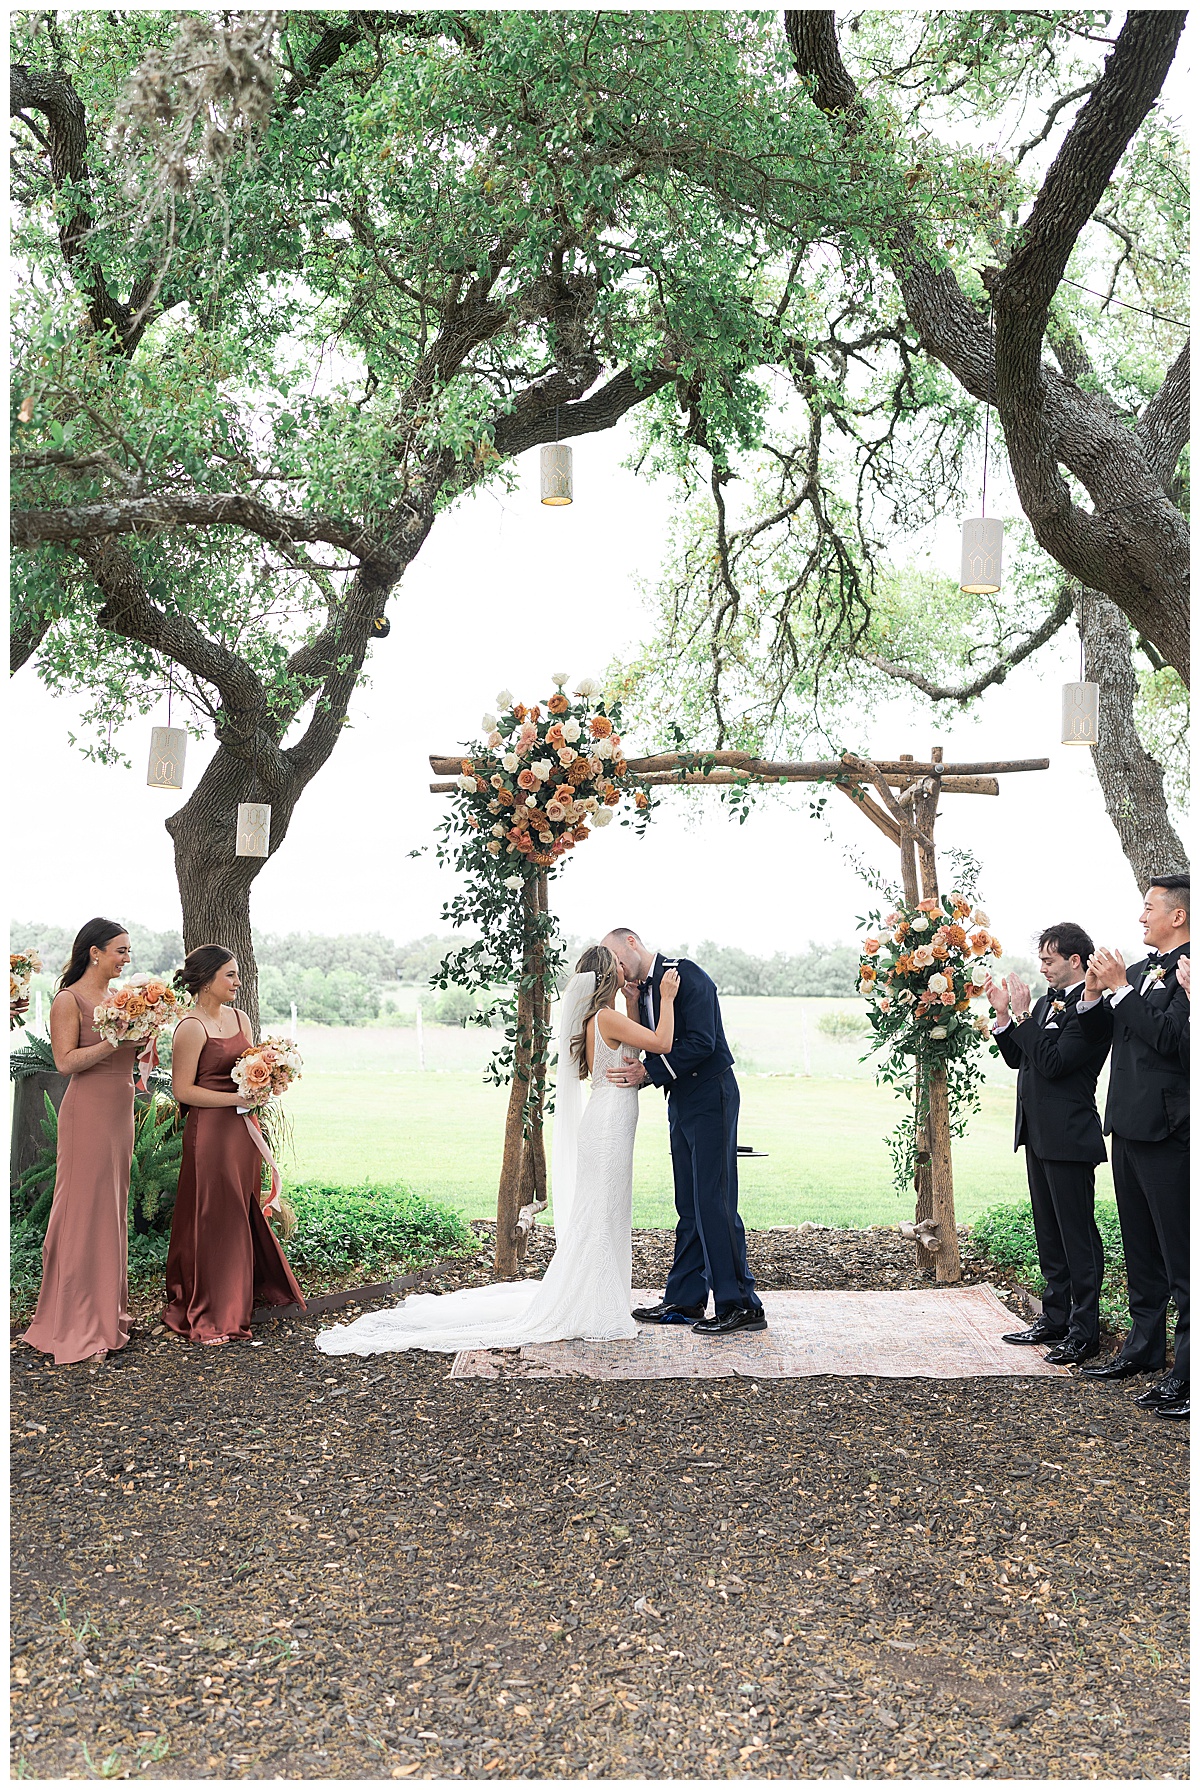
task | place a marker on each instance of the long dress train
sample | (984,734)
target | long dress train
(83,1305)
(223,1258)
(585,1291)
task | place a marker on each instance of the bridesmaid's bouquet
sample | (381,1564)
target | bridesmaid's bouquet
(22,967)
(266,1070)
(140,1010)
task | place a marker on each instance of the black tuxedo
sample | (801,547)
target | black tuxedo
(1149,1120)
(696,1075)
(1057,1068)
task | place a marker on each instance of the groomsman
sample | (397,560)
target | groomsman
(1057,1121)
(1146,1014)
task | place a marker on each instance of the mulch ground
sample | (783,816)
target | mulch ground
(259,1562)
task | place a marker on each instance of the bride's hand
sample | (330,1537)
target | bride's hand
(668,988)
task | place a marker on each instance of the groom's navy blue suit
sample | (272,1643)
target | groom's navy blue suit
(696,1075)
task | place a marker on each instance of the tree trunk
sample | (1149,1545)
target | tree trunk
(214,883)
(1132,781)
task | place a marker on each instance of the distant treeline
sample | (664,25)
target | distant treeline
(344,979)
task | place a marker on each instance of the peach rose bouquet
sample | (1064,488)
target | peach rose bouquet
(22,967)
(266,1070)
(140,1010)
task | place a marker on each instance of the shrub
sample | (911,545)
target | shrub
(844,1026)
(456,1007)
(1004,1234)
(340,1229)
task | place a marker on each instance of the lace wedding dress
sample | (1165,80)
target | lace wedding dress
(585,1291)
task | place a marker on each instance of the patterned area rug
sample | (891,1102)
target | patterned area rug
(949,1333)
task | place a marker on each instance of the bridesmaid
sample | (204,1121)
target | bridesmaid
(83,1306)
(224,1259)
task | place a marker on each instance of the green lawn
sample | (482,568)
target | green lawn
(440,1132)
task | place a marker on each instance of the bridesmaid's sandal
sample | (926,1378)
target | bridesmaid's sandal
(214,1342)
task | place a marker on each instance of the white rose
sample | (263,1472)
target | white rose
(937,984)
(498,831)
(979,974)
(493,846)
(603,748)
(531,801)
(591,804)
(504,700)
(587,686)
(542,767)
(920,924)
(510,761)
(514,882)
(979,918)
(571,730)
(866,988)
(489,724)
(559,678)
(938,1032)
(467,783)
(602,817)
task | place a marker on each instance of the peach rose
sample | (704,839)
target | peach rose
(948,998)
(870,946)
(923,957)
(980,942)
(558,704)
(527,781)
(554,736)
(929,906)
(555,811)
(567,755)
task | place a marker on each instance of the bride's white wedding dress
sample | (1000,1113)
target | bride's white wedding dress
(585,1291)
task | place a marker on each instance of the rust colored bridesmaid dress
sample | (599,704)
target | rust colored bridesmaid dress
(223,1259)
(83,1304)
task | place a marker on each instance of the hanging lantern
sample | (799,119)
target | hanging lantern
(1081,715)
(168,746)
(982,550)
(253,829)
(556,475)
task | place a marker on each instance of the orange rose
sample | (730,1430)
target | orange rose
(613,796)
(505,797)
(870,946)
(619,765)
(467,766)
(564,793)
(980,942)
(519,711)
(601,727)
(554,736)
(962,1006)
(955,936)
(997,950)
(903,965)
(641,799)
(579,772)
(582,833)
(535,714)
(930,906)
(866,972)
(902,931)
(528,781)
(558,704)
(940,952)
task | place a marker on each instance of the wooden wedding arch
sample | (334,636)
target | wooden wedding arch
(901,797)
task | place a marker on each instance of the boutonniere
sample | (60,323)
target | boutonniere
(1058,1006)
(1154,974)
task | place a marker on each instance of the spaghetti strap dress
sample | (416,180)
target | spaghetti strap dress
(224,1258)
(83,1304)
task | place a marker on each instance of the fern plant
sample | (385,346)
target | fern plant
(153,1174)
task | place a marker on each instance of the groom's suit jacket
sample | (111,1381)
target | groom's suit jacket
(1057,1068)
(1148,1078)
(699,1052)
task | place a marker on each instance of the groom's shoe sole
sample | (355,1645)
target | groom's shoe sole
(731,1323)
(669,1314)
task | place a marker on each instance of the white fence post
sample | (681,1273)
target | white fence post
(420,1037)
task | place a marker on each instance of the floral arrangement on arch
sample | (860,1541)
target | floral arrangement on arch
(547,775)
(922,966)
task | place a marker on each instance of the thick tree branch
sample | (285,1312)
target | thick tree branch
(531,424)
(1062,612)
(1165,423)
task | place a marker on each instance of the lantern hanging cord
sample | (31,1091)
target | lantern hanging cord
(1082,667)
(556,425)
(987,415)
(1142,311)
(170,688)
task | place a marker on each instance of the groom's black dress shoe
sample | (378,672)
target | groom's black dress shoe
(1117,1369)
(1072,1352)
(1171,1391)
(669,1314)
(1041,1332)
(749,1317)
(1182,1409)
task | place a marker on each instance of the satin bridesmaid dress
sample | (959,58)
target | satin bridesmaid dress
(223,1258)
(83,1305)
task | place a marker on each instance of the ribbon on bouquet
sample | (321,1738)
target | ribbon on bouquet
(264,1150)
(147,1062)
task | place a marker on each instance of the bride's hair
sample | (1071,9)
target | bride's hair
(599,961)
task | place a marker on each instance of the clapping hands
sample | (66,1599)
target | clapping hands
(1009,994)
(1106,969)
(1183,975)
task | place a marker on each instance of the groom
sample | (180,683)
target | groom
(696,1075)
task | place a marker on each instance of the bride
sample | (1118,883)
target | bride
(585,1290)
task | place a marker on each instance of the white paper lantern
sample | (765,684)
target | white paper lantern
(557,489)
(168,746)
(982,551)
(1081,715)
(253,829)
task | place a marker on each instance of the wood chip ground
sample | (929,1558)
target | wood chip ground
(256,1562)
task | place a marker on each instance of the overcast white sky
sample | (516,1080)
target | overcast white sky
(504,593)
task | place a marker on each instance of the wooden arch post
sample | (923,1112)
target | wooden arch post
(900,797)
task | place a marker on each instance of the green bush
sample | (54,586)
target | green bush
(1004,1234)
(844,1026)
(340,1229)
(455,1007)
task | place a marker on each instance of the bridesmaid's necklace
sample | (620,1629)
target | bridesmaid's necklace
(203,1008)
